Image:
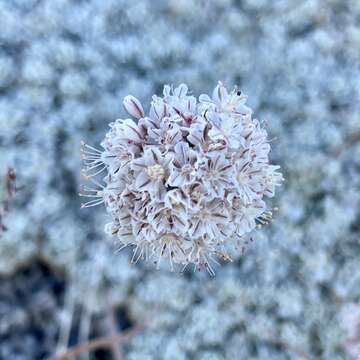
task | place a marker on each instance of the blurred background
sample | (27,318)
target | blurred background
(65,66)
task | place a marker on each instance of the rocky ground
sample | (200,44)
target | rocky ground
(65,66)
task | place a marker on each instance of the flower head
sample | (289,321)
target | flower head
(186,181)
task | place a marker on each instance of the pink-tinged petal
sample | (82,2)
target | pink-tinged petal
(142,182)
(179,224)
(158,109)
(174,179)
(205,98)
(139,164)
(153,155)
(167,90)
(220,93)
(132,131)
(197,229)
(181,90)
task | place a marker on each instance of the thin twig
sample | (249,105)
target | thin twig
(101,342)
(65,322)
(115,347)
(69,306)
(84,331)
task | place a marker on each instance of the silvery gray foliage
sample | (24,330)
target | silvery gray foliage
(187,181)
(298,60)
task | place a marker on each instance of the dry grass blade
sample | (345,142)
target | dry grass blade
(101,342)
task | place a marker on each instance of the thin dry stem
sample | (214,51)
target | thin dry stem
(85,324)
(101,342)
(115,347)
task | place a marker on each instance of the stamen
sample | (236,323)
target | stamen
(265,218)
(96,194)
(94,150)
(156,172)
(92,203)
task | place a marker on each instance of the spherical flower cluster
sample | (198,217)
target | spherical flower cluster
(187,181)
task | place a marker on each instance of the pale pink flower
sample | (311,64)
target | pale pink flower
(180,104)
(151,172)
(208,219)
(188,180)
(246,215)
(216,173)
(182,166)
(167,134)
(225,128)
(247,179)
(169,219)
(233,102)
(199,137)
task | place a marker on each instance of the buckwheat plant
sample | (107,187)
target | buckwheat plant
(186,182)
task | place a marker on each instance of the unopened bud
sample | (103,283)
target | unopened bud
(133,106)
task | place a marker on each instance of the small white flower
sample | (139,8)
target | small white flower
(169,219)
(167,134)
(216,173)
(247,179)
(200,139)
(208,219)
(233,102)
(180,105)
(246,215)
(226,128)
(182,167)
(151,171)
(188,180)
(273,178)
(124,132)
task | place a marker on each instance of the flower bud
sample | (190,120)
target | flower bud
(133,106)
